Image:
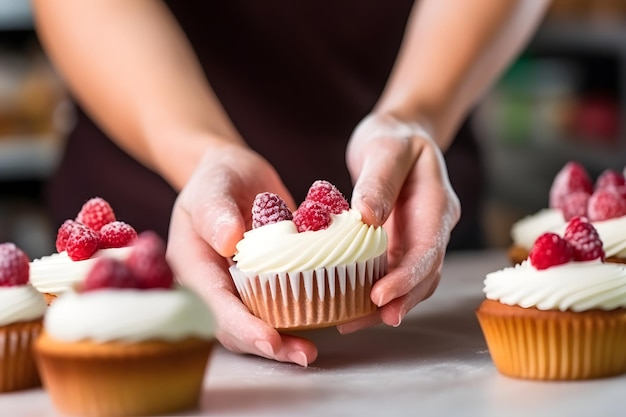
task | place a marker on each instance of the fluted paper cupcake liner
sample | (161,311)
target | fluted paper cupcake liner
(311,299)
(554,345)
(18,369)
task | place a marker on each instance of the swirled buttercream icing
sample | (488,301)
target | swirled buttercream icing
(20,303)
(129,315)
(574,286)
(278,247)
(57,273)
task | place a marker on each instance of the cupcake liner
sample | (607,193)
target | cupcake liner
(92,379)
(18,369)
(311,299)
(554,345)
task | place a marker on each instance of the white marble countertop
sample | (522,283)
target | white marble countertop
(434,364)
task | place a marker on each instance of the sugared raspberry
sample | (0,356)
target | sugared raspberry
(117,234)
(606,203)
(82,243)
(63,233)
(147,261)
(572,177)
(609,177)
(269,208)
(584,240)
(95,213)
(14,266)
(311,216)
(549,250)
(575,204)
(108,273)
(327,194)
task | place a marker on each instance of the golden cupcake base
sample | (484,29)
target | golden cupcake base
(18,369)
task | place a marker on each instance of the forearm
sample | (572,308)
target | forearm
(131,67)
(452,52)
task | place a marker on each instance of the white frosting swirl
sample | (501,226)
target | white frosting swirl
(574,286)
(20,303)
(278,247)
(57,273)
(612,232)
(129,315)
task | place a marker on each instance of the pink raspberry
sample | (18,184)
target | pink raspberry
(572,177)
(269,208)
(117,234)
(610,177)
(606,203)
(82,243)
(95,213)
(147,262)
(549,250)
(63,233)
(575,204)
(311,216)
(109,273)
(584,240)
(14,265)
(328,195)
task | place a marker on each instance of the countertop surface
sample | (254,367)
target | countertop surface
(435,364)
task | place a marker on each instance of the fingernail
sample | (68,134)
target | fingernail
(384,298)
(298,357)
(265,348)
(399,321)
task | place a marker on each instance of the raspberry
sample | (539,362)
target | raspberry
(109,273)
(14,266)
(116,234)
(63,233)
(82,243)
(606,203)
(327,194)
(572,177)
(147,261)
(575,204)
(584,240)
(269,208)
(95,213)
(549,250)
(609,177)
(311,216)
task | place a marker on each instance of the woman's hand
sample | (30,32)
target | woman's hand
(209,217)
(401,181)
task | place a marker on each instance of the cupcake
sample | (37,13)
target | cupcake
(93,234)
(312,268)
(21,312)
(560,314)
(572,194)
(128,341)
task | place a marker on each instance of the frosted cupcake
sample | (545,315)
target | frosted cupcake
(129,342)
(312,269)
(21,312)
(95,233)
(560,314)
(574,194)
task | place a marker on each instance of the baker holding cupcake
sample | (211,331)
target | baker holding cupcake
(209,104)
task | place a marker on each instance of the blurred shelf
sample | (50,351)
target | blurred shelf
(28,157)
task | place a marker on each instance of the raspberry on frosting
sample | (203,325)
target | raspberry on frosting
(610,177)
(584,240)
(95,213)
(109,273)
(311,216)
(64,232)
(606,203)
(328,195)
(14,265)
(82,243)
(269,208)
(572,177)
(117,234)
(549,250)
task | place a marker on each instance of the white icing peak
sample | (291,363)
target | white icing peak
(279,247)
(575,286)
(20,303)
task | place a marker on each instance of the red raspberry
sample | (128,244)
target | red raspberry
(549,250)
(572,177)
(63,233)
(269,208)
(82,243)
(584,240)
(311,215)
(575,204)
(14,265)
(109,273)
(147,261)
(95,213)
(610,177)
(117,234)
(327,194)
(606,203)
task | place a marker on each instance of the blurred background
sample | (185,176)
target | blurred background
(563,99)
